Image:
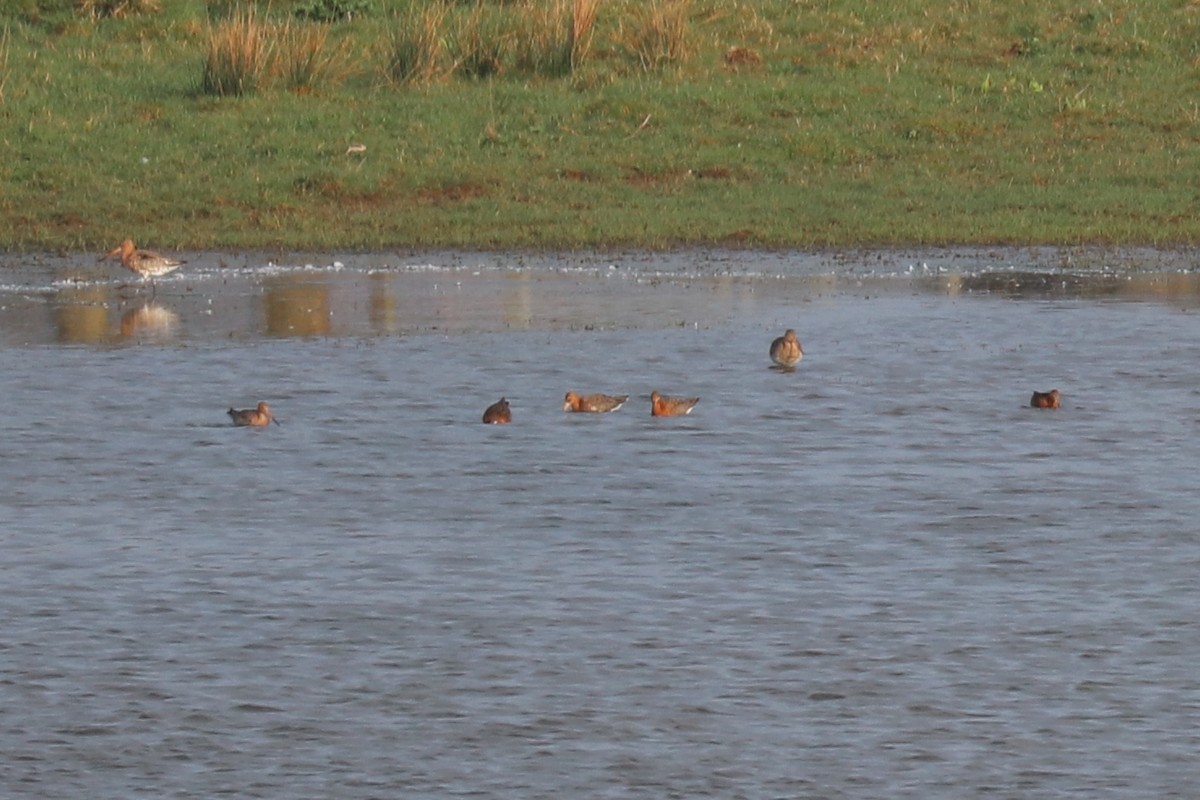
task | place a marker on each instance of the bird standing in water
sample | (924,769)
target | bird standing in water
(144,263)
(786,351)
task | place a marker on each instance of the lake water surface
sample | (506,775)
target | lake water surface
(881,575)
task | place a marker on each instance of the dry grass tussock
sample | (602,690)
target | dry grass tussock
(5,46)
(118,8)
(304,57)
(436,41)
(429,42)
(417,51)
(556,38)
(483,43)
(660,37)
(238,51)
(244,52)
(583,24)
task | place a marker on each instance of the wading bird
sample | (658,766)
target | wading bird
(671,406)
(1044,399)
(595,403)
(498,413)
(144,263)
(786,351)
(257,417)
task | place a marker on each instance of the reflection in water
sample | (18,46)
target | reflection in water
(149,321)
(381,309)
(518,301)
(70,307)
(297,307)
(82,317)
(1036,285)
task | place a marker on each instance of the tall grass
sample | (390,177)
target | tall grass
(239,49)
(416,50)
(482,43)
(583,24)
(222,9)
(661,37)
(245,52)
(556,37)
(304,57)
(118,8)
(5,46)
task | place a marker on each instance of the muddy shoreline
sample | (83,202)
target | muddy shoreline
(712,260)
(75,299)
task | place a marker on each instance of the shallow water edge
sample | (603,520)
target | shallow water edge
(75,299)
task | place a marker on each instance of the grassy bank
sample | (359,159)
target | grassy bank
(772,123)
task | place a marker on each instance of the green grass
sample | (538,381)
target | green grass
(909,123)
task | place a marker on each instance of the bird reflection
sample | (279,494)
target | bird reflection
(150,320)
(82,316)
(296,307)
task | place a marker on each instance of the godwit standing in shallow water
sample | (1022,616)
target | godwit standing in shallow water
(257,417)
(671,406)
(498,413)
(596,403)
(145,263)
(786,350)
(1044,399)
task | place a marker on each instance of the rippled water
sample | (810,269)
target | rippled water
(881,575)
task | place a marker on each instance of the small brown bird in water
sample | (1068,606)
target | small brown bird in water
(786,351)
(1044,399)
(145,263)
(671,406)
(595,403)
(498,413)
(257,417)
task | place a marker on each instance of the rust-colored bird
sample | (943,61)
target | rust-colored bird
(498,413)
(257,417)
(594,403)
(786,351)
(1044,399)
(144,263)
(671,406)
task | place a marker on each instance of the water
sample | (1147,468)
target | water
(881,575)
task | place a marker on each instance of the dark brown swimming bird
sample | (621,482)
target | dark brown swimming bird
(145,263)
(595,403)
(258,417)
(671,406)
(498,413)
(1044,399)
(786,351)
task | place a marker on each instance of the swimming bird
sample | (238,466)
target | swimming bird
(257,417)
(498,413)
(597,403)
(1044,399)
(786,351)
(145,263)
(671,406)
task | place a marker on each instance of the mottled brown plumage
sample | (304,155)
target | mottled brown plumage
(257,417)
(498,413)
(145,263)
(1044,399)
(594,403)
(786,351)
(671,406)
